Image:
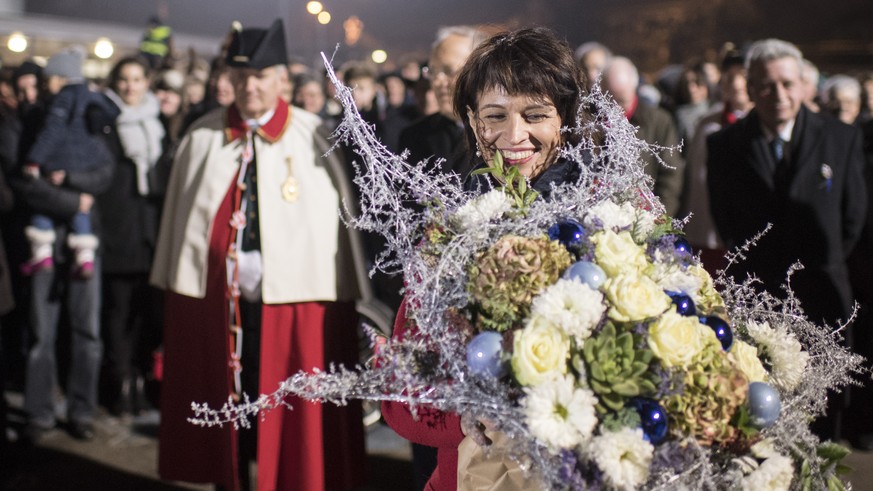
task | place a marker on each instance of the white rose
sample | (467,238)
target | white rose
(677,339)
(745,357)
(540,351)
(617,253)
(634,298)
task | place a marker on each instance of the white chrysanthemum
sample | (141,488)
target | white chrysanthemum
(613,216)
(482,209)
(573,306)
(624,457)
(764,449)
(671,276)
(774,474)
(560,414)
(784,351)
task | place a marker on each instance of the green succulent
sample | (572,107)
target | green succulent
(712,394)
(504,279)
(617,370)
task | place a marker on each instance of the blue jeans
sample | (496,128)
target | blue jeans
(80,224)
(83,305)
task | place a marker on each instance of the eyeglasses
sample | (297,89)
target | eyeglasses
(432,73)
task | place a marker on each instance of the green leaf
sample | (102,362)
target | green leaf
(834,484)
(832,451)
(646,386)
(612,401)
(484,170)
(596,372)
(599,387)
(530,197)
(626,388)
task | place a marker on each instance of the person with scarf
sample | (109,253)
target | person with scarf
(131,209)
(261,281)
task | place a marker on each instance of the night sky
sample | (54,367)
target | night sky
(679,28)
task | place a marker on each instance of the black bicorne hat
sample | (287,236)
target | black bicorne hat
(257,48)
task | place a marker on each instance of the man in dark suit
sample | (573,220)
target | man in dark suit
(436,136)
(802,172)
(441,135)
(811,188)
(655,126)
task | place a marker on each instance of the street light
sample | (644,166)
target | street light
(17,43)
(103,49)
(379,56)
(324,17)
(314,7)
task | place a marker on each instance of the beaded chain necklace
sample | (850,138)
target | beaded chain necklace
(238,223)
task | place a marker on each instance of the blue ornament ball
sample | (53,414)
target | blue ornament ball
(764,404)
(484,355)
(586,272)
(570,233)
(722,330)
(653,418)
(684,304)
(681,244)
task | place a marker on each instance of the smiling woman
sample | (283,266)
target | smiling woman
(514,94)
(526,131)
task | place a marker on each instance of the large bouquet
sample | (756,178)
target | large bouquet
(584,328)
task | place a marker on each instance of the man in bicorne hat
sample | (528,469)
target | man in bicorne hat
(260,285)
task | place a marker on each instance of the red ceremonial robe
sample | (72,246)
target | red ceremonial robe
(292,445)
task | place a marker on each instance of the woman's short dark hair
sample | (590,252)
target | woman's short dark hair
(115,73)
(531,62)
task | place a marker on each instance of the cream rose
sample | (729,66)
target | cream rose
(540,351)
(634,298)
(617,253)
(745,357)
(677,339)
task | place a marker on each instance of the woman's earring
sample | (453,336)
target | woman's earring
(478,152)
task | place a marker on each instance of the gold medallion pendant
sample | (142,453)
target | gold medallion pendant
(290,188)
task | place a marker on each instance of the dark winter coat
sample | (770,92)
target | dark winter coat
(817,211)
(70,137)
(130,221)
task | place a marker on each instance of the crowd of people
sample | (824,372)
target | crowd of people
(181,220)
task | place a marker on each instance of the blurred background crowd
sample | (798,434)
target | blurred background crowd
(164,82)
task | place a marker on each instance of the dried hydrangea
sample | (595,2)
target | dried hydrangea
(504,279)
(713,391)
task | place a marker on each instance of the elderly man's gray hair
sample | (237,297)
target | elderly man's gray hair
(475,34)
(772,49)
(841,83)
